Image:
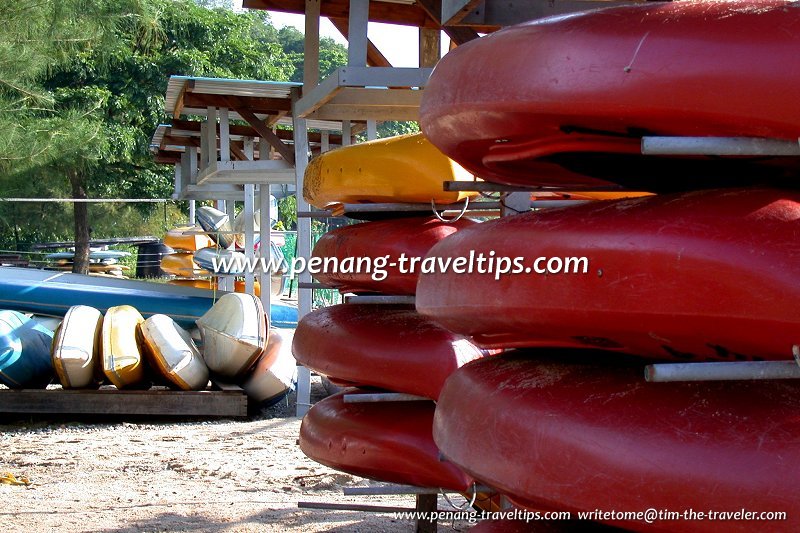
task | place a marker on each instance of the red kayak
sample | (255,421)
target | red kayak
(581,437)
(390,347)
(565,101)
(367,256)
(388,441)
(710,275)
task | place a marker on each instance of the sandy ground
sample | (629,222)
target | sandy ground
(221,475)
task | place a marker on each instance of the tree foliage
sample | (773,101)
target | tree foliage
(81,92)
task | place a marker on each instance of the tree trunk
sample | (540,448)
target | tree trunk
(81,215)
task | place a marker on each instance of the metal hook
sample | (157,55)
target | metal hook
(466,505)
(457,217)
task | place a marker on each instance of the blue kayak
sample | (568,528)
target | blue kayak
(24,352)
(53,293)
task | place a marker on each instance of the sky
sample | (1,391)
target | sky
(399,44)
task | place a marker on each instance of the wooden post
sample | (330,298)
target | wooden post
(311,46)
(249,252)
(224,135)
(265,252)
(357,33)
(347,133)
(426,503)
(430,43)
(303,245)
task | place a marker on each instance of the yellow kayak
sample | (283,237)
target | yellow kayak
(197,283)
(183,238)
(181,264)
(122,355)
(406,168)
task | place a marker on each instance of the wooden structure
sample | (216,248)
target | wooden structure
(216,160)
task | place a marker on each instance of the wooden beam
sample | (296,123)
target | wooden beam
(458,35)
(453,11)
(244,131)
(177,140)
(388,12)
(116,402)
(374,56)
(254,103)
(238,153)
(264,132)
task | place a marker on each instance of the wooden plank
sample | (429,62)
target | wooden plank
(355,103)
(116,402)
(387,12)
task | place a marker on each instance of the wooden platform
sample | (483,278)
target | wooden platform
(110,401)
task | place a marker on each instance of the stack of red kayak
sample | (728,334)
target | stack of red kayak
(380,348)
(707,271)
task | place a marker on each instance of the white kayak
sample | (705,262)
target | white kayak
(173,354)
(234,334)
(76,347)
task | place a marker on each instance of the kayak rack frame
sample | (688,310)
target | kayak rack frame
(725,371)
(427,501)
(720,146)
(380,299)
(380,397)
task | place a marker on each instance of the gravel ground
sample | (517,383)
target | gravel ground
(154,475)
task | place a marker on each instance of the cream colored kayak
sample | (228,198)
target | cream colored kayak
(275,371)
(406,168)
(76,346)
(234,334)
(187,238)
(173,354)
(122,355)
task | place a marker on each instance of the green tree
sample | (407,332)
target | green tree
(95,101)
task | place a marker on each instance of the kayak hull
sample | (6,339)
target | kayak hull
(123,360)
(47,293)
(565,101)
(406,168)
(173,354)
(709,275)
(577,436)
(389,441)
(275,371)
(24,352)
(234,334)
(76,347)
(389,347)
(387,242)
